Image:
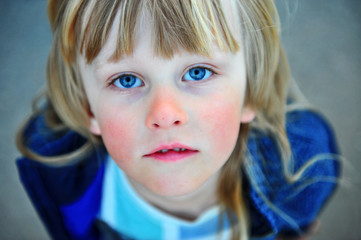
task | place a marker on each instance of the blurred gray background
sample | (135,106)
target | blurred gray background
(323,42)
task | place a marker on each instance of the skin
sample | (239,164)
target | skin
(165,109)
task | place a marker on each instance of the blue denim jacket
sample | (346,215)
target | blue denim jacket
(67,198)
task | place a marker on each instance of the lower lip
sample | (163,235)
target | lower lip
(171,156)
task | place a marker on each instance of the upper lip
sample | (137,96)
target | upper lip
(170,147)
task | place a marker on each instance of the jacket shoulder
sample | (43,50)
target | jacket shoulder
(53,187)
(291,194)
(309,134)
(47,141)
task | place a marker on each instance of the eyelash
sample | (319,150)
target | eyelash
(130,75)
(113,81)
(210,69)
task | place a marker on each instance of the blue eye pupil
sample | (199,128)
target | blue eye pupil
(197,73)
(127,81)
(131,81)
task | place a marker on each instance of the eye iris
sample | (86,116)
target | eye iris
(197,73)
(127,81)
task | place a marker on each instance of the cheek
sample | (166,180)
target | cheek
(225,130)
(118,136)
(223,121)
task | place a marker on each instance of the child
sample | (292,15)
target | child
(168,119)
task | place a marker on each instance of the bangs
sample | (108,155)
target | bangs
(192,25)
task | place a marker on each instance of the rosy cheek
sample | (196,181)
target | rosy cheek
(226,130)
(118,138)
(223,121)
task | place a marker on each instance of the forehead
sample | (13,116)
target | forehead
(173,26)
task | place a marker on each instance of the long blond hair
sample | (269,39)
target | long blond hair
(83,26)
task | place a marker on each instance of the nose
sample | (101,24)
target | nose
(165,111)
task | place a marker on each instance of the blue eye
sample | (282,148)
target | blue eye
(127,81)
(197,74)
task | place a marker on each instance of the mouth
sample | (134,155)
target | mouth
(171,153)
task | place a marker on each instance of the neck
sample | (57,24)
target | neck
(189,206)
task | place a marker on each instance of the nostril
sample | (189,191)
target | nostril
(176,123)
(165,120)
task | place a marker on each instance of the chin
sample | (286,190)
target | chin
(173,189)
(172,192)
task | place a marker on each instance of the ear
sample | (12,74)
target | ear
(93,124)
(247,114)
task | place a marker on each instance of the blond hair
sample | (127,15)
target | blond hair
(83,26)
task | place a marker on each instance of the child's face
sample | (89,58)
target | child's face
(145,103)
